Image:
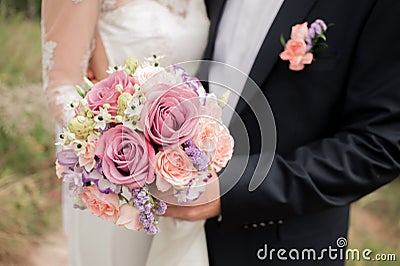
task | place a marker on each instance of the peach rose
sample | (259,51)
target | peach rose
(224,150)
(296,53)
(173,168)
(299,32)
(129,218)
(86,158)
(214,139)
(102,205)
(211,107)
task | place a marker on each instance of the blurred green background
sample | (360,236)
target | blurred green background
(30,212)
(29,191)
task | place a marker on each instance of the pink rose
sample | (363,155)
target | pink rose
(129,218)
(105,92)
(299,32)
(215,140)
(127,157)
(86,158)
(170,114)
(173,168)
(102,205)
(296,53)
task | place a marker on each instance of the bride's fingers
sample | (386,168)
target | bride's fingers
(195,213)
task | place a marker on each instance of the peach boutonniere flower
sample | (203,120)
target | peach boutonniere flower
(304,42)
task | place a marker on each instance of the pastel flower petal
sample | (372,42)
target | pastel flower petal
(307,58)
(67,158)
(129,218)
(162,185)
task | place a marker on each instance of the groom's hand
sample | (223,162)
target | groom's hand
(195,213)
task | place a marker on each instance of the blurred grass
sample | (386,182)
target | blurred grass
(29,191)
(20,42)
(375,225)
(29,207)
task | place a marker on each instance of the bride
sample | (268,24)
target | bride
(77,33)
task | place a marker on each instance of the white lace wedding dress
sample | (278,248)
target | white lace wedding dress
(178,30)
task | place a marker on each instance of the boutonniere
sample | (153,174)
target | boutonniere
(304,43)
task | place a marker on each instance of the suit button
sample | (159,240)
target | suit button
(246,227)
(263,224)
(280,222)
(271,223)
(255,226)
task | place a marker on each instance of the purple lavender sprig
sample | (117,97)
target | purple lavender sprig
(160,208)
(196,156)
(146,204)
(316,32)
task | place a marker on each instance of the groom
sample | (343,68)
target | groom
(337,124)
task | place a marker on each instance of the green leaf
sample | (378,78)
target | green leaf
(321,36)
(330,25)
(283,41)
(319,48)
(88,83)
(80,91)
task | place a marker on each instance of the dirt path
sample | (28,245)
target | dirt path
(52,251)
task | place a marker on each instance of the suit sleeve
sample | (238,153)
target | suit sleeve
(358,159)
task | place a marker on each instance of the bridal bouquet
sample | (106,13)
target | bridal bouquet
(144,126)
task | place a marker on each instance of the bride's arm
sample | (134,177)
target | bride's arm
(68,31)
(98,64)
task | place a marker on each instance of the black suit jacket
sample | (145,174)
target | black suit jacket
(338,132)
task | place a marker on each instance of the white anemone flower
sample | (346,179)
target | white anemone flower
(65,137)
(113,69)
(102,119)
(135,107)
(79,147)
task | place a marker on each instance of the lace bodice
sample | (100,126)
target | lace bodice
(69,28)
(175,5)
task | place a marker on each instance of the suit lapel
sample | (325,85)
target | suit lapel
(292,12)
(214,9)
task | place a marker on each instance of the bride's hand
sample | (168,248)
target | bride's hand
(208,205)
(90,75)
(195,213)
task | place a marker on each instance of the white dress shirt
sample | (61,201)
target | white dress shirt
(242,30)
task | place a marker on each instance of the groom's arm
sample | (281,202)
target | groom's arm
(361,157)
